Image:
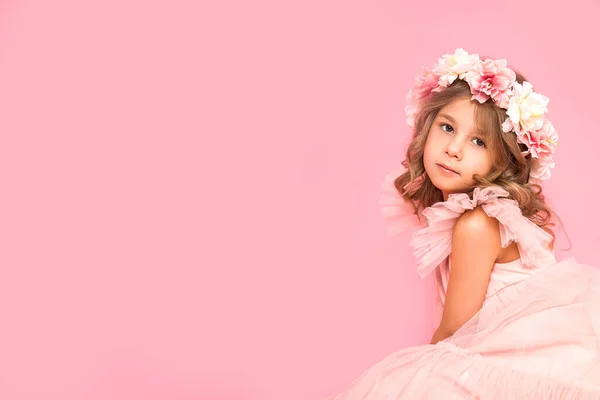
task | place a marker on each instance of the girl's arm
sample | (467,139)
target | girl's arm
(475,248)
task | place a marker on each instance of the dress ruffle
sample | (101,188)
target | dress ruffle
(432,243)
(537,339)
(399,214)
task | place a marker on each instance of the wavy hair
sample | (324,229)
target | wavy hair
(510,169)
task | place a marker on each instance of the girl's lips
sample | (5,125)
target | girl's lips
(447,169)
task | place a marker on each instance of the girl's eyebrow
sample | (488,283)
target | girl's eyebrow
(449,118)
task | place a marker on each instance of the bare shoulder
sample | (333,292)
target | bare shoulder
(476,227)
(477,221)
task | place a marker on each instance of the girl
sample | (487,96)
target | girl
(514,324)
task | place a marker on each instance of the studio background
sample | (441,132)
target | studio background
(190,189)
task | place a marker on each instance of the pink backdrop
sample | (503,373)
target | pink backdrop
(189,193)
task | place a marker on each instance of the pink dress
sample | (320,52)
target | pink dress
(536,336)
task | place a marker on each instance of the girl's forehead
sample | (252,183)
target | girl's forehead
(463,111)
(463,104)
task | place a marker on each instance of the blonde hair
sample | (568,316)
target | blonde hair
(510,169)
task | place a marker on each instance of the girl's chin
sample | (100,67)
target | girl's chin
(444,185)
(449,189)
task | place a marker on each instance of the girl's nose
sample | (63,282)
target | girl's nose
(454,148)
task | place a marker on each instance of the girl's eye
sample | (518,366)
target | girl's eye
(449,130)
(478,142)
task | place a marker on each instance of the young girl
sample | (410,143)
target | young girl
(515,324)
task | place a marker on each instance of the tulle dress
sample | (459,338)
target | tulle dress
(536,336)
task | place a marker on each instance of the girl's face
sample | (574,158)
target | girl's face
(455,150)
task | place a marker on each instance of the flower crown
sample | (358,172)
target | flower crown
(492,79)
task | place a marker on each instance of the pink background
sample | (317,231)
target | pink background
(189,192)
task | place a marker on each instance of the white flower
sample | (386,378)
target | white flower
(526,109)
(452,66)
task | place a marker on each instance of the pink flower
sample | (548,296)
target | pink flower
(492,79)
(423,86)
(540,168)
(542,142)
(412,107)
